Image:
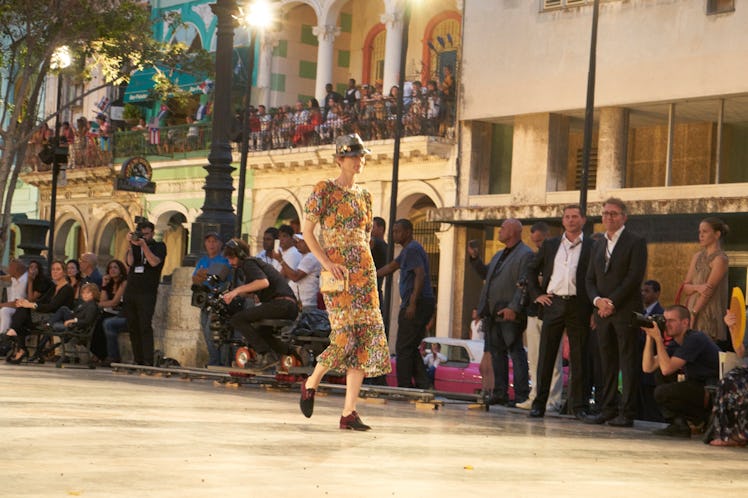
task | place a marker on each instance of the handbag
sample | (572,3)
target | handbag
(329,284)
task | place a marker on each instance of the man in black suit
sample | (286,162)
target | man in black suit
(614,277)
(500,302)
(562,262)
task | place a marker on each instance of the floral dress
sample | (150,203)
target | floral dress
(357,339)
(730,412)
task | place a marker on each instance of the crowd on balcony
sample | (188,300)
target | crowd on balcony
(87,143)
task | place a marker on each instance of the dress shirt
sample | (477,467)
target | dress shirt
(564,278)
(612,241)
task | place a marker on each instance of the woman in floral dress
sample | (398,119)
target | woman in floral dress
(358,344)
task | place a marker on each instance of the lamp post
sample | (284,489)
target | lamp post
(259,16)
(589,113)
(217,211)
(396,159)
(60,60)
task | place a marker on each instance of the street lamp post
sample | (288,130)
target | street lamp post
(589,113)
(259,16)
(60,60)
(217,211)
(396,159)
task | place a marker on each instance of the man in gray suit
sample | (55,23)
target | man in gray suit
(500,303)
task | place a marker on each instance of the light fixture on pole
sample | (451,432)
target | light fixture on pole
(589,112)
(259,15)
(61,59)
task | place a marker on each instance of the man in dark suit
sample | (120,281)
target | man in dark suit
(500,303)
(562,262)
(614,277)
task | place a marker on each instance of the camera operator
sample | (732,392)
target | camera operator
(145,258)
(694,353)
(276,301)
(213,245)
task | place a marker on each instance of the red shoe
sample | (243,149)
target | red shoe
(306,403)
(353,422)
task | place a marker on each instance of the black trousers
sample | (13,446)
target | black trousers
(410,333)
(685,399)
(139,308)
(618,342)
(262,339)
(562,314)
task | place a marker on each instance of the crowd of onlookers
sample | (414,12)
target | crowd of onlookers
(86,143)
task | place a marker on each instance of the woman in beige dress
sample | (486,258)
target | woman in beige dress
(705,287)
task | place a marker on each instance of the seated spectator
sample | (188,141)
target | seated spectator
(111,302)
(18,279)
(307,122)
(729,421)
(73,272)
(30,313)
(89,272)
(37,282)
(84,315)
(694,353)
(433,359)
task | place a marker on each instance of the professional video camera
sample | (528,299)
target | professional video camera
(645,321)
(209,297)
(138,233)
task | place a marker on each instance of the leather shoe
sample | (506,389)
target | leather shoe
(598,419)
(353,422)
(581,415)
(306,403)
(621,421)
(537,413)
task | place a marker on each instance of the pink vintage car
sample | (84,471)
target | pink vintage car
(460,374)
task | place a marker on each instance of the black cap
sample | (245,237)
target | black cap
(211,234)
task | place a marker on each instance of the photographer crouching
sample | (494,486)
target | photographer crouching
(276,301)
(694,353)
(145,258)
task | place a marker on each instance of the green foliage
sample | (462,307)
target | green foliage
(132,112)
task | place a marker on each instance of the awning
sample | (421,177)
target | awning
(141,82)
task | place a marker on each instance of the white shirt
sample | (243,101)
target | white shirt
(476,330)
(308,287)
(292,257)
(433,361)
(612,241)
(564,278)
(17,289)
(263,255)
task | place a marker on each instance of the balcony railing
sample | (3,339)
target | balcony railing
(373,121)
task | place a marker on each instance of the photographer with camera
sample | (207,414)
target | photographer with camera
(145,258)
(213,245)
(276,301)
(691,351)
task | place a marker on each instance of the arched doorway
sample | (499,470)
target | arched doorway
(171,225)
(70,240)
(113,241)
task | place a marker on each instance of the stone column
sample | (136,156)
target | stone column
(326,35)
(393,21)
(264,68)
(612,147)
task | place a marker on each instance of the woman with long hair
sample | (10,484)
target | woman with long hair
(358,344)
(705,286)
(114,321)
(73,272)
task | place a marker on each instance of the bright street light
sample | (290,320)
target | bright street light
(61,58)
(258,14)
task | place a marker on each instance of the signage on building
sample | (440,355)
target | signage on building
(135,176)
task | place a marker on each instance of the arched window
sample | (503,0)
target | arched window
(441,44)
(373,67)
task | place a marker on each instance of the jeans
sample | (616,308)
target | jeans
(216,356)
(112,327)
(504,338)
(410,333)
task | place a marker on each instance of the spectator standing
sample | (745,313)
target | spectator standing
(213,246)
(556,281)
(501,305)
(614,278)
(416,307)
(476,327)
(331,97)
(379,249)
(145,257)
(287,251)
(305,278)
(706,282)
(268,248)
(352,95)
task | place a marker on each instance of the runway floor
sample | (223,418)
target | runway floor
(95,433)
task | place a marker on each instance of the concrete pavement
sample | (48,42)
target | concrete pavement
(67,432)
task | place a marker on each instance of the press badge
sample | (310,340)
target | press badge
(139,269)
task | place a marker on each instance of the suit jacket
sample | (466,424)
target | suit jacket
(507,276)
(540,270)
(621,280)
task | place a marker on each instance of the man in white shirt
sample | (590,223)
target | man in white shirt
(304,280)
(16,290)
(562,261)
(287,253)
(268,248)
